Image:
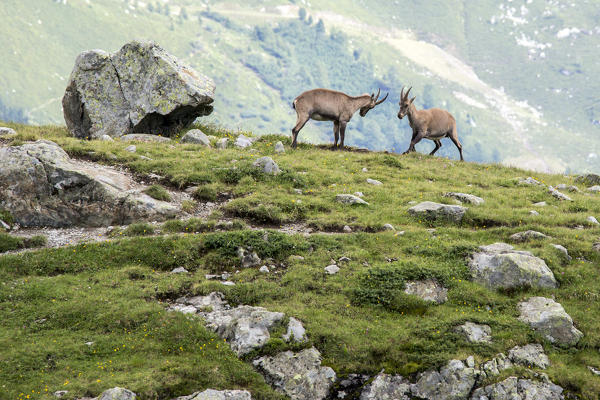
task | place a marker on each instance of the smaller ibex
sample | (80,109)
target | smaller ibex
(329,105)
(433,124)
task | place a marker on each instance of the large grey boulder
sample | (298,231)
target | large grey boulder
(549,319)
(438,212)
(500,266)
(521,237)
(139,89)
(513,388)
(117,394)
(465,198)
(211,394)
(41,186)
(452,382)
(299,376)
(428,290)
(6,131)
(268,166)
(196,136)
(387,387)
(475,333)
(529,355)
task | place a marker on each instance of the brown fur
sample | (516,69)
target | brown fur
(330,105)
(433,124)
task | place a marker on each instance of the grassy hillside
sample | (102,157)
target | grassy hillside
(54,302)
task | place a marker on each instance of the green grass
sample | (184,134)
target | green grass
(110,293)
(158,192)
(10,242)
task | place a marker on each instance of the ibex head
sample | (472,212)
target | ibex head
(364,110)
(405,103)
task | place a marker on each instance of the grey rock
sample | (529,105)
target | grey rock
(541,204)
(332,269)
(558,195)
(412,202)
(140,88)
(211,394)
(347,229)
(297,375)
(534,213)
(212,302)
(592,220)
(295,331)
(588,179)
(344,259)
(563,250)
(593,370)
(530,181)
(279,148)
(529,355)
(374,182)
(143,137)
(7,131)
(268,165)
(428,290)
(365,169)
(570,188)
(242,141)
(470,361)
(4,225)
(438,212)
(222,143)
(131,148)
(359,194)
(495,366)
(465,198)
(513,388)
(349,199)
(387,387)
(179,270)
(296,258)
(106,138)
(549,319)
(388,227)
(249,259)
(117,393)
(41,186)
(196,136)
(145,158)
(594,189)
(500,266)
(452,382)
(264,269)
(183,309)
(60,393)
(526,236)
(228,283)
(475,333)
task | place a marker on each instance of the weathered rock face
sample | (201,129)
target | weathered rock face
(475,333)
(549,319)
(500,266)
(465,198)
(141,88)
(513,388)
(452,382)
(387,387)
(438,212)
(428,290)
(298,375)
(211,394)
(529,355)
(41,186)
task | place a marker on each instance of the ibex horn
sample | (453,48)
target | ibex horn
(382,100)
(406,95)
(378,93)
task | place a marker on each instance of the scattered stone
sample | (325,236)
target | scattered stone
(349,199)
(594,371)
(387,387)
(279,148)
(297,375)
(411,203)
(268,165)
(454,381)
(541,204)
(296,258)
(594,189)
(588,179)
(374,182)
(347,229)
(131,149)
(242,141)
(184,309)
(530,181)
(513,388)
(332,269)
(563,250)
(141,88)
(388,227)
(4,225)
(58,393)
(228,283)
(475,333)
(558,195)
(7,131)
(145,158)
(365,170)
(117,393)
(141,137)
(527,236)
(179,270)
(106,138)
(359,194)
(222,143)
(249,259)
(344,259)
(592,220)
(570,188)
(295,331)
(500,266)
(196,136)
(428,290)
(596,247)
(211,394)
(549,319)
(534,213)
(495,366)
(465,198)
(438,212)
(529,355)
(264,269)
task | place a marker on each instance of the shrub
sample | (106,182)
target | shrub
(158,192)
(205,193)
(9,242)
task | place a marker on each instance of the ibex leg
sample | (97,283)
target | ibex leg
(413,142)
(342,133)
(454,138)
(438,144)
(336,133)
(299,125)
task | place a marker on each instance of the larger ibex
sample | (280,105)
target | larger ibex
(433,124)
(329,105)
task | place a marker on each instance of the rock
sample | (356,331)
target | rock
(534,213)
(131,149)
(106,138)
(347,229)
(549,319)
(529,355)
(588,179)
(228,283)
(526,236)
(349,199)
(530,181)
(296,258)
(344,259)
(438,212)
(248,258)
(4,225)
(142,137)
(593,370)
(264,269)
(7,131)
(59,393)
(374,182)
(513,388)
(117,394)
(570,188)
(475,333)
(332,269)
(211,394)
(222,143)
(558,195)
(268,165)
(295,331)
(213,302)
(452,382)
(359,194)
(242,141)
(365,169)
(297,375)
(495,366)
(562,249)
(145,158)
(41,186)
(140,88)
(500,266)
(387,387)
(279,148)
(196,136)
(541,204)
(465,198)
(388,227)
(592,220)
(179,270)
(594,189)
(596,247)
(184,309)
(428,290)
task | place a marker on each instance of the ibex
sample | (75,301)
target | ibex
(329,105)
(433,124)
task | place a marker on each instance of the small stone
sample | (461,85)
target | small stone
(465,198)
(4,225)
(211,394)
(401,233)
(279,148)
(268,165)
(106,138)
(347,229)
(349,199)
(436,212)
(242,141)
(470,361)
(411,203)
(344,259)
(296,258)
(594,371)
(222,143)
(475,333)
(131,148)
(570,188)
(428,290)
(592,220)
(264,269)
(541,204)
(144,137)
(359,194)
(332,269)
(365,170)
(145,158)
(89,343)
(249,259)
(184,309)
(7,131)
(594,189)
(296,331)
(196,136)
(526,236)
(179,270)
(530,181)
(228,283)
(388,227)
(117,393)
(298,191)
(374,182)
(558,195)
(562,249)
(534,213)
(60,393)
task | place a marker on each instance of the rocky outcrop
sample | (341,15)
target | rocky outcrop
(530,355)
(428,290)
(513,388)
(6,131)
(500,266)
(549,319)
(438,212)
(475,333)
(211,394)
(139,89)
(465,198)
(452,382)
(298,375)
(41,186)
(387,387)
